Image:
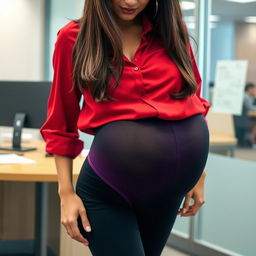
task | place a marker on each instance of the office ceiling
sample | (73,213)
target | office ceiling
(230,11)
(233,11)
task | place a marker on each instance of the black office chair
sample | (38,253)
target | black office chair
(243,126)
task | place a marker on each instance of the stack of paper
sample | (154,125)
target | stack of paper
(14,159)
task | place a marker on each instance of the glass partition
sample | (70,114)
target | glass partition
(228,216)
(232,118)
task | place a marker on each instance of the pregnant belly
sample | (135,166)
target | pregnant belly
(151,152)
(135,145)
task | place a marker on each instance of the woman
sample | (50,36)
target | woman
(132,62)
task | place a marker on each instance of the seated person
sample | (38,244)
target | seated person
(249,100)
(244,123)
(250,96)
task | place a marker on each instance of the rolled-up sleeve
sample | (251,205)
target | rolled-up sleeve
(60,131)
(205,103)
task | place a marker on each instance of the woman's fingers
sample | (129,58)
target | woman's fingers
(71,208)
(186,202)
(197,194)
(73,231)
(84,220)
(68,229)
(193,209)
(76,233)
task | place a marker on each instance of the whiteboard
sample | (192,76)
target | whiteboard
(229,86)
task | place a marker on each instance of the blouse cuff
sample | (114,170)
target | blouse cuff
(62,145)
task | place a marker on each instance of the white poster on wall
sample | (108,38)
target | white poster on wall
(229,86)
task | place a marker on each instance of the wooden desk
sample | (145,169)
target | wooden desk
(223,141)
(252,113)
(41,172)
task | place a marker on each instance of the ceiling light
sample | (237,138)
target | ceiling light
(242,1)
(212,18)
(250,19)
(193,25)
(186,5)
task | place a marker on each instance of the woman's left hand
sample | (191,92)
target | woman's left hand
(197,193)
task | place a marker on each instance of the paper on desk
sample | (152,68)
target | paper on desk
(14,159)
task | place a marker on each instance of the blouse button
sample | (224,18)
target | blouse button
(136,68)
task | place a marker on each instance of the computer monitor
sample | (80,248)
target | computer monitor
(23,104)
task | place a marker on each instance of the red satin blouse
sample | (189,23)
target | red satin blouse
(143,92)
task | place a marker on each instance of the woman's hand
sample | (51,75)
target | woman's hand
(71,207)
(197,193)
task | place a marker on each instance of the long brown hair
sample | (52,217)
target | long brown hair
(97,53)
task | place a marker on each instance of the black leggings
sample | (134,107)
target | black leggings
(117,229)
(133,215)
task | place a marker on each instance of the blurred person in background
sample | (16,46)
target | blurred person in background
(249,104)
(245,125)
(250,96)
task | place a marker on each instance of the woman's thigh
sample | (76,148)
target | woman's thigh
(156,220)
(118,229)
(115,229)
